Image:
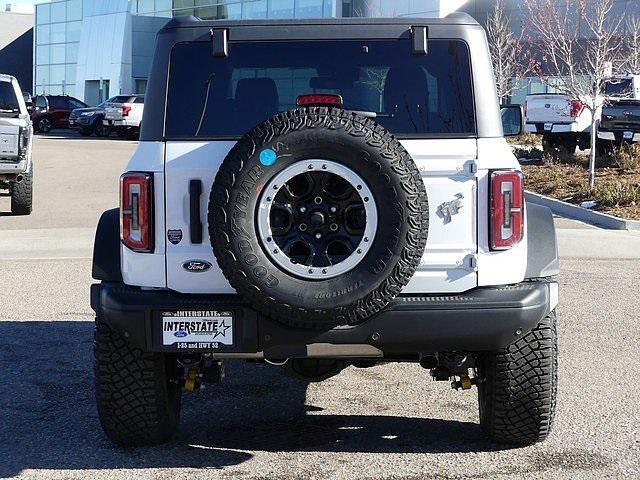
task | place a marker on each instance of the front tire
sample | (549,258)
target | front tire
(22,195)
(44,125)
(518,387)
(137,393)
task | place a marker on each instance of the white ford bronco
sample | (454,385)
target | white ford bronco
(324,194)
(16,132)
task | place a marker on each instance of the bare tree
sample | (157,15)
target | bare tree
(632,63)
(580,45)
(506,51)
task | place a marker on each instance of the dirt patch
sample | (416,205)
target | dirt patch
(617,190)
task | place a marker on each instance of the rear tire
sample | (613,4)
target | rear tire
(22,195)
(518,387)
(137,393)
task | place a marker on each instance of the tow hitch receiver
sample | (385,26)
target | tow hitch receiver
(198,372)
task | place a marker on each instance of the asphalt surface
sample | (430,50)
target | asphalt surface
(390,421)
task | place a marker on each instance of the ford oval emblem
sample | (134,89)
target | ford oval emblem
(196,266)
(180,334)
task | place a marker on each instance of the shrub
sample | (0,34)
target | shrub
(615,194)
(627,156)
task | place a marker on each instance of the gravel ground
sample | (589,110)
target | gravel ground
(390,421)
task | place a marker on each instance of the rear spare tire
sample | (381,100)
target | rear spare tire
(318,217)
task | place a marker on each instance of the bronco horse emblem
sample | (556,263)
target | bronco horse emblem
(448,209)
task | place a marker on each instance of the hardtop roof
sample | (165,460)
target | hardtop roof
(457,18)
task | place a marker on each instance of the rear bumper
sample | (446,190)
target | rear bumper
(121,123)
(13,168)
(537,127)
(619,135)
(483,319)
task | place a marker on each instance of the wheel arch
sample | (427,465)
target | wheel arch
(106,248)
(542,244)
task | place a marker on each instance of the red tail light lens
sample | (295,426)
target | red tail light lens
(136,211)
(507,209)
(576,108)
(125,110)
(319,101)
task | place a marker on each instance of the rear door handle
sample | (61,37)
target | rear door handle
(195,224)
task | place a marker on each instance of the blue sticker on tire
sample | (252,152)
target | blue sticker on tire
(268,157)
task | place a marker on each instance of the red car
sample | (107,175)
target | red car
(52,111)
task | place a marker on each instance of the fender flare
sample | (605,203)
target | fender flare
(106,248)
(542,244)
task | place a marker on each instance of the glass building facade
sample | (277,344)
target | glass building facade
(94,49)
(57,38)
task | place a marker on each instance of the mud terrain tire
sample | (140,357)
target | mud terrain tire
(22,195)
(137,394)
(517,392)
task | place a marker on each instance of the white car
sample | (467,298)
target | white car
(563,122)
(16,132)
(321,194)
(123,115)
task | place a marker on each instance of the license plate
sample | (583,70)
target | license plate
(197,329)
(548,127)
(627,135)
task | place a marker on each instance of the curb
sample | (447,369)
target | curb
(583,214)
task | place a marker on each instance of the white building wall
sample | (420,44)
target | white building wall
(105,51)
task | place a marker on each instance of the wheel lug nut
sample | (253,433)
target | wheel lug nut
(334,227)
(303,209)
(318,236)
(303,227)
(333,209)
(317,200)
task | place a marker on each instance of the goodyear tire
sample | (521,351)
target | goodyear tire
(137,393)
(318,217)
(517,392)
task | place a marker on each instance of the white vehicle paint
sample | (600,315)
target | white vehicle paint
(556,113)
(457,258)
(125,113)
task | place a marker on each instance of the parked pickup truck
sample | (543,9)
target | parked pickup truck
(620,122)
(16,131)
(562,121)
(124,116)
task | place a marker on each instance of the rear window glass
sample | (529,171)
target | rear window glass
(122,99)
(8,99)
(411,95)
(619,88)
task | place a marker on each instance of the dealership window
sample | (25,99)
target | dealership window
(140,85)
(58,12)
(58,28)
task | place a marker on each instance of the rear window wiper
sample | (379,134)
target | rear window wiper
(206,103)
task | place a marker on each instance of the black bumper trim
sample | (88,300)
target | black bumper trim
(486,318)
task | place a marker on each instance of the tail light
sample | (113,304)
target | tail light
(507,209)
(576,108)
(316,100)
(125,110)
(136,211)
(23,142)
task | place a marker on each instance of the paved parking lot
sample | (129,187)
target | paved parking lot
(390,421)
